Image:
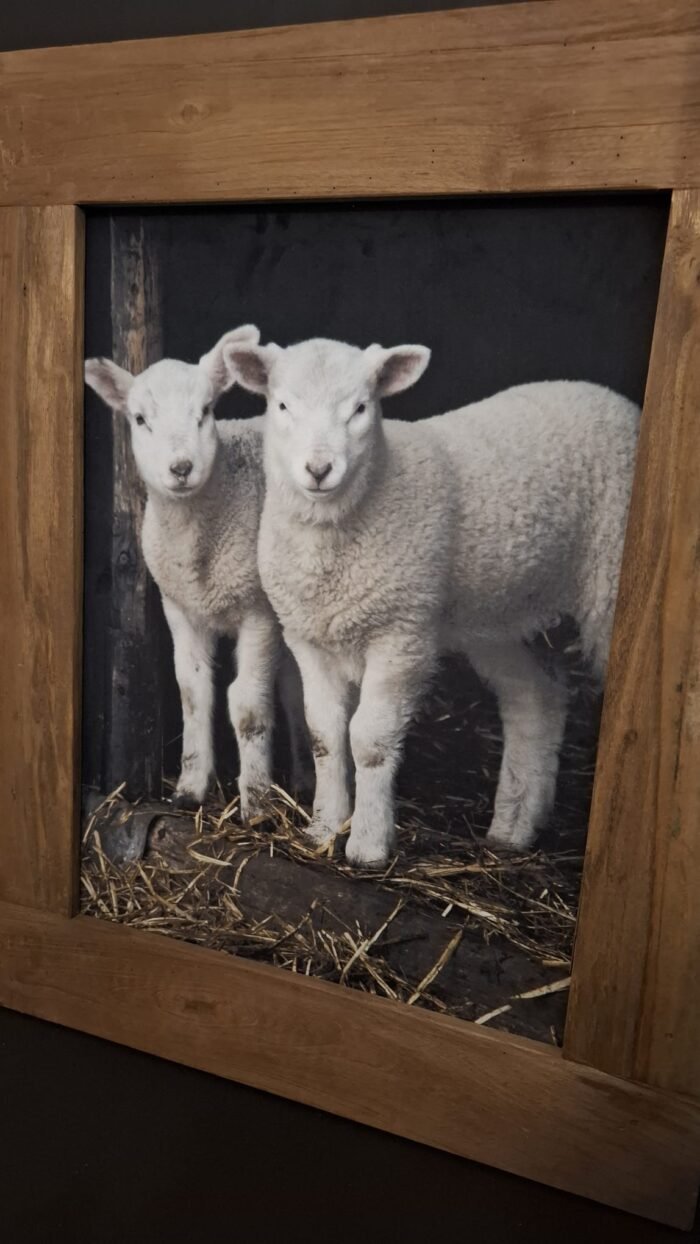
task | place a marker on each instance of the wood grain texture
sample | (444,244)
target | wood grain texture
(554,95)
(41,334)
(512,1103)
(635,999)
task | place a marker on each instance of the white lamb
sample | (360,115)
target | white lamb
(205,486)
(384,544)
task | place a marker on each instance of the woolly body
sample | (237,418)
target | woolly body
(205,487)
(201,550)
(491,518)
(468,532)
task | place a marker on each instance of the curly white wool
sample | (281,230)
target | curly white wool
(205,489)
(384,544)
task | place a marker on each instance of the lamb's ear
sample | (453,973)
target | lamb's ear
(250,365)
(396,369)
(214,361)
(110,382)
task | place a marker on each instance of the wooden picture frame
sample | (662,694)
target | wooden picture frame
(558,95)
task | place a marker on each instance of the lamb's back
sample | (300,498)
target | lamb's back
(542,474)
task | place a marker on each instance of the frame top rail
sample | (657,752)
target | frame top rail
(557,95)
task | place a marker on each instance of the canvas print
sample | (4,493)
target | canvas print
(357,483)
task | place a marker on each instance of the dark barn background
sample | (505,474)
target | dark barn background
(503,291)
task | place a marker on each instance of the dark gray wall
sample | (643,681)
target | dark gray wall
(46,23)
(502,290)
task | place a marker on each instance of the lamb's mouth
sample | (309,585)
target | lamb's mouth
(181,490)
(314,493)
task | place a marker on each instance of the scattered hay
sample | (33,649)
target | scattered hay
(449,924)
(192,885)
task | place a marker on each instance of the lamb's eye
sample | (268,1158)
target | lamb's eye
(140,420)
(360,410)
(282,406)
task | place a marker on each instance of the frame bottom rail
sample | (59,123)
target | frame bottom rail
(491,1097)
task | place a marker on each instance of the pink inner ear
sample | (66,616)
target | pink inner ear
(218,372)
(249,368)
(111,382)
(399,371)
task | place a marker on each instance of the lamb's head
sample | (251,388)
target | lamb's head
(170,409)
(323,421)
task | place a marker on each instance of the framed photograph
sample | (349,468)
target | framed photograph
(349,715)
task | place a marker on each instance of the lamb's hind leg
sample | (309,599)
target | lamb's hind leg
(251,706)
(193,649)
(533,714)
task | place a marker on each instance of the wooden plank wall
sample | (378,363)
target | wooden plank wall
(134,744)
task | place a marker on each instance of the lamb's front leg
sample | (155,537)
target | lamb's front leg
(251,705)
(396,672)
(326,703)
(193,649)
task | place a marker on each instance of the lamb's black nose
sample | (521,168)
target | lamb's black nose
(319,473)
(181,469)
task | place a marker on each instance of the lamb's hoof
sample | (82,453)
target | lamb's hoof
(366,854)
(253,804)
(505,839)
(319,832)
